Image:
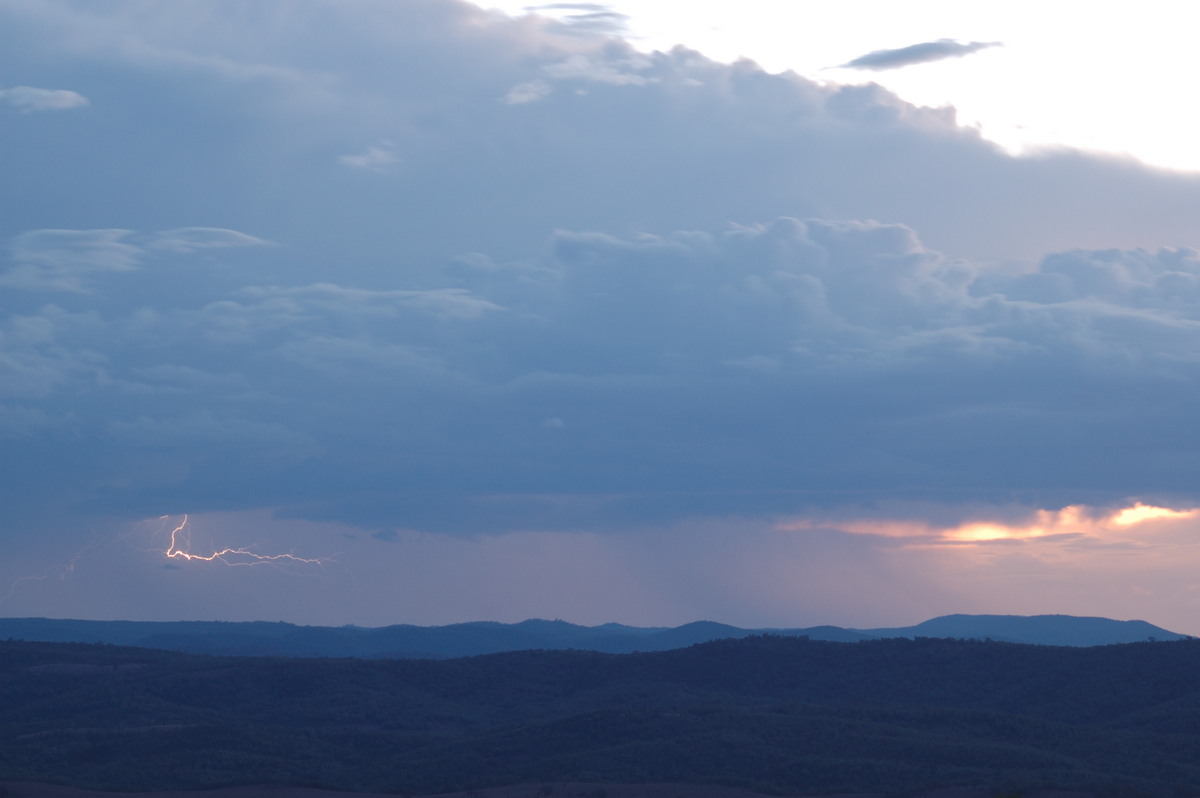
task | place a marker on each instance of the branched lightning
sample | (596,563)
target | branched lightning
(180,545)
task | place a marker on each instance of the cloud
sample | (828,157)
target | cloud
(48,351)
(95,250)
(589,18)
(28,99)
(759,368)
(460,92)
(22,421)
(445,303)
(373,159)
(203,428)
(1136,525)
(63,260)
(922,53)
(582,70)
(187,240)
(74,260)
(529,92)
(604,291)
(616,72)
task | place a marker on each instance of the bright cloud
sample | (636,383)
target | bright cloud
(1136,524)
(1141,513)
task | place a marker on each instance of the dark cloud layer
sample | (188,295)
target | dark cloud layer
(417,265)
(923,53)
(616,379)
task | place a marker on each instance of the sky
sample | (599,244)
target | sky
(775,314)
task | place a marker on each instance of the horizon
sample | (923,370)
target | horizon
(697,622)
(426,312)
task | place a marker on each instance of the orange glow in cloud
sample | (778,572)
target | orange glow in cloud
(1072,520)
(973,532)
(1140,513)
(1067,521)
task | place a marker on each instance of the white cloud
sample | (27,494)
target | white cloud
(28,99)
(186,240)
(373,159)
(529,92)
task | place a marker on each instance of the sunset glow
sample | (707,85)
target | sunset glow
(1070,520)
(1141,513)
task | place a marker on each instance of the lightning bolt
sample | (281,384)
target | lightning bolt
(180,545)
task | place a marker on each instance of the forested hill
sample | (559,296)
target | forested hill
(466,639)
(773,714)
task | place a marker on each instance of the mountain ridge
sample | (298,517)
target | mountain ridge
(407,641)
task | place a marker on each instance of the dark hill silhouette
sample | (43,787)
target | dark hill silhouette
(1058,630)
(487,637)
(773,714)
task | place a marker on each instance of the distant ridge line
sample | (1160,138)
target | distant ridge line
(404,641)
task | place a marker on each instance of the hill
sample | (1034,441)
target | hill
(763,713)
(467,639)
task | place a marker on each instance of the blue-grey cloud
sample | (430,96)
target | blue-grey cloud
(620,378)
(419,266)
(61,260)
(375,158)
(922,53)
(191,239)
(72,260)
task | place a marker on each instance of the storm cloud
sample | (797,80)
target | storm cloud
(720,371)
(423,270)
